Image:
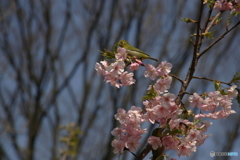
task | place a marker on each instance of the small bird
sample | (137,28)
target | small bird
(132,51)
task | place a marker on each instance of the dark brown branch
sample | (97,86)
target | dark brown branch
(144,152)
(195,58)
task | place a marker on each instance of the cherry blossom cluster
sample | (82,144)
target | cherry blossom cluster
(223,5)
(115,73)
(130,130)
(184,144)
(217,104)
(177,131)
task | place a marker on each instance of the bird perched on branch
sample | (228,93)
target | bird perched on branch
(134,52)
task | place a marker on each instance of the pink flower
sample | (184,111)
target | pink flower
(118,146)
(232,92)
(185,149)
(179,123)
(150,72)
(199,116)
(223,5)
(127,79)
(164,68)
(204,126)
(201,139)
(132,143)
(135,115)
(116,68)
(104,63)
(112,80)
(134,66)
(155,142)
(236,9)
(163,84)
(117,131)
(193,135)
(150,115)
(122,54)
(160,111)
(139,62)
(121,115)
(121,50)
(170,142)
(100,69)
(195,100)
(168,99)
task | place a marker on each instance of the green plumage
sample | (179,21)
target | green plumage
(135,52)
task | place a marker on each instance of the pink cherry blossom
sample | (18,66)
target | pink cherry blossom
(223,5)
(179,123)
(164,68)
(193,135)
(150,72)
(160,111)
(150,115)
(168,99)
(155,142)
(122,54)
(127,79)
(118,146)
(104,63)
(116,68)
(236,7)
(232,92)
(117,131)
(202,139)
(112,80)
(162,84)
(121,115)
(203,126)
(132,143)
(100,69)
(170,142)
(186,148)
(134,66)
(195,100)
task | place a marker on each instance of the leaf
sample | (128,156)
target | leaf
(107,54)
(236,78)
(223,92)
(210,3)
(150,94)
(217,85)
(208,35)
(188,20)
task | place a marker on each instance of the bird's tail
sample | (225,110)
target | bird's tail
(152,58)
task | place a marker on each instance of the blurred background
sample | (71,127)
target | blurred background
(48,49)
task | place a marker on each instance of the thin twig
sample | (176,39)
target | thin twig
(211,80)
(212,22)
(221,37)
(176,78)
(188,93)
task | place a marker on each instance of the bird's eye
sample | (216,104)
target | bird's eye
(122,42)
